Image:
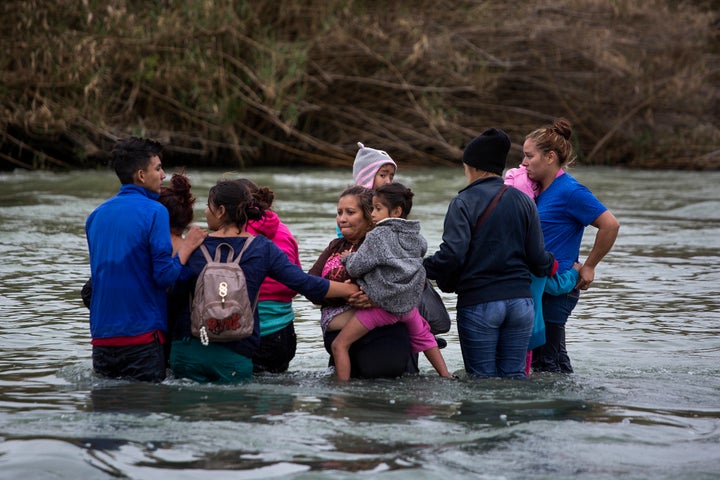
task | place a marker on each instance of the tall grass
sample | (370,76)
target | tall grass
(238,83)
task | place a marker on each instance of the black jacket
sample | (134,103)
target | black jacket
(495,262)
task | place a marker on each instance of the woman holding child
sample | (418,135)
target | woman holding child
(384,351)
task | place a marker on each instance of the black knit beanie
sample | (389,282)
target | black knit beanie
(488,151)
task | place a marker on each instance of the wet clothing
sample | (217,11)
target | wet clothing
(384,352)
(262,259)
(490,269)
(145,362)
(421,338)
(277,334)
(191,359)
(131,264)
(494,337)
(276,350)
(566,207)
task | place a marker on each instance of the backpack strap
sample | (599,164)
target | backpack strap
(218,257)
(239,255)
(237,260)
(206,253)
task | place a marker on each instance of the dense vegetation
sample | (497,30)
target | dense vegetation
(280,82)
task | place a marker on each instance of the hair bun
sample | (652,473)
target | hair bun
(562,127)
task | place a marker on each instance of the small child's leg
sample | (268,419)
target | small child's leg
(437,361)
(352,331)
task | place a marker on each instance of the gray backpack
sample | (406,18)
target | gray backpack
(221,309)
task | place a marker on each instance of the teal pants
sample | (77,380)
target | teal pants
(213,363)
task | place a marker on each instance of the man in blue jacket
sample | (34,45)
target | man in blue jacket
(132,265)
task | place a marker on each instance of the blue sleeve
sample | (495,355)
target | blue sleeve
(585,207)
(562,282)
(293,277)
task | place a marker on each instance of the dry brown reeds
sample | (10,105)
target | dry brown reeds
(239,83)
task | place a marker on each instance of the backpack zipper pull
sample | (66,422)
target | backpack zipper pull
(222,291)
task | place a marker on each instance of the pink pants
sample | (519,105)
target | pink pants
(420,337)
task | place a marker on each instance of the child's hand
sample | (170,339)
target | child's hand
(345,253)
(577,266)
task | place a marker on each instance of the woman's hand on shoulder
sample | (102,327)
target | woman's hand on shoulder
(195,236)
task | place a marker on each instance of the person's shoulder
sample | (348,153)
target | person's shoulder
(337,242)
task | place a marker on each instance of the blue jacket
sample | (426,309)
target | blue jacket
(131,264)
(495,263)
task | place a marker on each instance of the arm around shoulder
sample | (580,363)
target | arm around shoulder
(193,239)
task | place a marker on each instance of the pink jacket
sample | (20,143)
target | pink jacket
(518,178)
(271,227)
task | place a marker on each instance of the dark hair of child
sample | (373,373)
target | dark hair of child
(394,195)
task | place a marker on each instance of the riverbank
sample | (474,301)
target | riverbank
(299,83)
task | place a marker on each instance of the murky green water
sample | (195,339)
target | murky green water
(644,401)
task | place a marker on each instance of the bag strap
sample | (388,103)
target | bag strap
(218,256)
(206,253)
(489,208)
(247,244)
(237,260)
(231,252)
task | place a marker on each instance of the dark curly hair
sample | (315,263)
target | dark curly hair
(179,201)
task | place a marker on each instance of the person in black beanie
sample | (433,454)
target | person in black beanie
(491,242)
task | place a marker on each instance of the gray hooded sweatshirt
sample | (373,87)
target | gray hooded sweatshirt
(388,265)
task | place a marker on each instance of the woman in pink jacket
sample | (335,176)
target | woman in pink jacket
(278,341)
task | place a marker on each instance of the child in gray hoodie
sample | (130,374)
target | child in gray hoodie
(388,267)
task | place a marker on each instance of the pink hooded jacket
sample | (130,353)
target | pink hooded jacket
(271,227)
(518,178)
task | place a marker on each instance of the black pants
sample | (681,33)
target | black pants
(145,363)
(383,353)
(275,351)
(552,356)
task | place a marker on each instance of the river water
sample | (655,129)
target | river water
(644,401)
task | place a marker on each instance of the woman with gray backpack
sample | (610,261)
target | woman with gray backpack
(217,342)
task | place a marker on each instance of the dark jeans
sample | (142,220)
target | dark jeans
(383,353)
(553,356)
(275,351)
(145,363)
